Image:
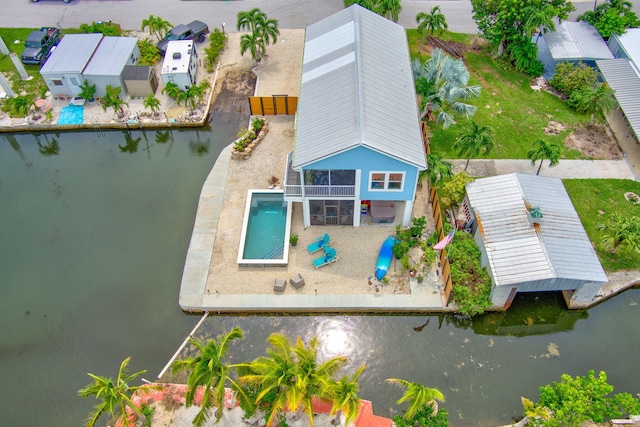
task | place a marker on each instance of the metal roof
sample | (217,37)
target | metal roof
(357,90)
(111,56)
(623,78)
(72,54)
(576,40)
(630,42)
(518,252)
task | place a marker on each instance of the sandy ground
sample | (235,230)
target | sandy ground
(357,247)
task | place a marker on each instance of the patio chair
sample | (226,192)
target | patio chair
(330,256)
(279,285)
(319,243)
(297,281)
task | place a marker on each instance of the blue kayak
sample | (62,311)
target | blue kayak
(384,259)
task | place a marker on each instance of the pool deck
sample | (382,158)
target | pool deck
(212,279)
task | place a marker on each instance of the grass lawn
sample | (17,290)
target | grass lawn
(594,199)
(507,103)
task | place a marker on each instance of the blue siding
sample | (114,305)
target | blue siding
(366,160)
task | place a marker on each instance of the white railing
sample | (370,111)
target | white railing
(321,190)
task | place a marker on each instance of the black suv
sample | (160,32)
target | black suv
(39,45)
(194,30)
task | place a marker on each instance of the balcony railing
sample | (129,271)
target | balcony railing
(320,190)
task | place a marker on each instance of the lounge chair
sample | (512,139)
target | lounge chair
(279,285)
(319,243)
(297,281)
(330,256)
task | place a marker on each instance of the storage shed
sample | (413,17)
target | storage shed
(140,80)
(62,72)
(531,238)
(107,64)
(571,42)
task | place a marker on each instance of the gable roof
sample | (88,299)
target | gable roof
(72,54)
(519,252)
(576,40)
(111,56)
(622,77)
(357,90)
(630,43)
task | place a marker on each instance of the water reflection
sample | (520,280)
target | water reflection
(531,314)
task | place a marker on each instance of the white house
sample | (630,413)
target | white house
(93,57)
(106,67)
(531,238)
(180,63)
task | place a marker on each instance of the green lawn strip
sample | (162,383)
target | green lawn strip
(507,103)
(594,199)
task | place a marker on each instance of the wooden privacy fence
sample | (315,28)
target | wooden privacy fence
(273,105)
(442,261)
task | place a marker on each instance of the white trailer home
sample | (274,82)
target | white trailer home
(180,64)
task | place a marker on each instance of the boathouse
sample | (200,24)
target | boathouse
(531,238)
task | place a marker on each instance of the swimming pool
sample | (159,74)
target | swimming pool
(265,229)
(71,115)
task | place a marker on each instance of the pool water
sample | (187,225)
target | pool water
(266,227)
(71,115)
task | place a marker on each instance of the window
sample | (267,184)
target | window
(56,82)
(391,181)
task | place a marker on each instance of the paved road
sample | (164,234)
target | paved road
(289,13)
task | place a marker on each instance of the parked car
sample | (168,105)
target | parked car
(39,45)
(36,1)
(195,30)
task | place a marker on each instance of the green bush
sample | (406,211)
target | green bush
(576,400)
(217,40)
(149,53)
(423,418)
(107,28)
(471,283)
(569,77)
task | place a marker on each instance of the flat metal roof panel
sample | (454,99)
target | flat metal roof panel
(111,56)
(624,80)
(576,40)
(72,54)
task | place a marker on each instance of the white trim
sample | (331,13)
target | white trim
(385,184)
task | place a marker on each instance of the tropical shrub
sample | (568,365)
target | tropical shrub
(107,28)
(524,55)
(423,418)
(217,40)
(611,17)
(149,53)
(576,400)
(569,77)
(471,283)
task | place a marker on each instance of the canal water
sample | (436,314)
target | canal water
(94,229)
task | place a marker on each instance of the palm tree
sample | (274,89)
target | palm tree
(431,22)
(172,90)
(22,104)
(417,395)
(191,96)
(473,141)
(156,25)
(531,410)
(112,99)
(208,370)
(597,99)
(344,395)
(543,150)
(390,9)
(261,32)
(312,377)
(621,230)
(273,374)
(254,44)
(152,103)
(115,395)
(437,170)
(442,83)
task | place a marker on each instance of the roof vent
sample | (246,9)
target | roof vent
(177,55)
(534,216)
